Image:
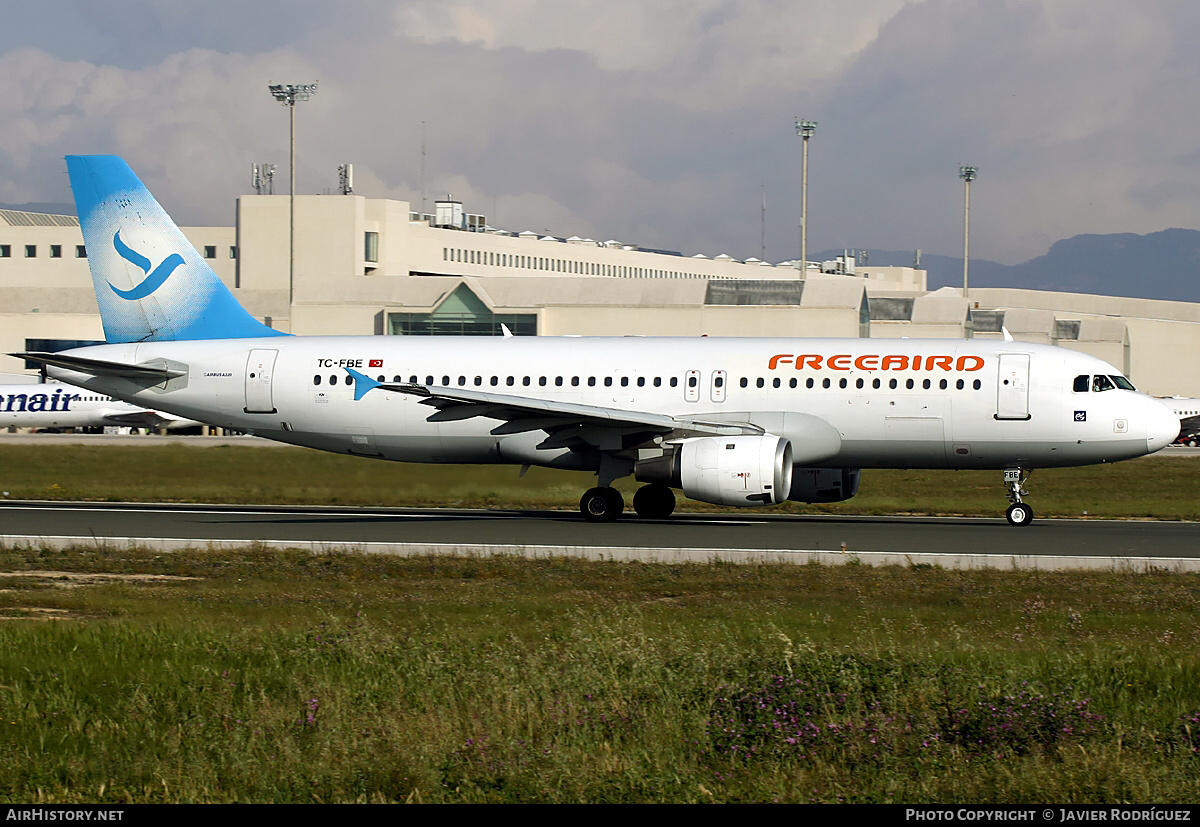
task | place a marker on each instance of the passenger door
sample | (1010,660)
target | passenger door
(260,369)
(1012,391)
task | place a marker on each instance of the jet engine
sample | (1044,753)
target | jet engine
(823,485)
(734,470)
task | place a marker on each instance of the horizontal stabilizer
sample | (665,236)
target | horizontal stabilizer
(100,367)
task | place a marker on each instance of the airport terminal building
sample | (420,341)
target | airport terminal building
(372,266)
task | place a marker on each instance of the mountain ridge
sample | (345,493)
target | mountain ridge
(1159,265)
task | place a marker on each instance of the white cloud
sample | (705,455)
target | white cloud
(708,53)
(658,123)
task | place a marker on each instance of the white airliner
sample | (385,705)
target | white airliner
(51,405)
(1188,411)
(737,422)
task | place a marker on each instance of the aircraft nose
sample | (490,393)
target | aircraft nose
(1162,426)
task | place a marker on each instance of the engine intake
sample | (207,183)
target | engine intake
(736,470)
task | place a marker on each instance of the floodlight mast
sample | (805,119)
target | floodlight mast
(288,94)
(968,174)
(805,130)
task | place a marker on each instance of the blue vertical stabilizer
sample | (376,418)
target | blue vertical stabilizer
(151,284)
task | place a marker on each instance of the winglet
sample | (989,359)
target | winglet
(362,383)
(150,282)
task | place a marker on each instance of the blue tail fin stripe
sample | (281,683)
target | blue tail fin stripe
(181,298)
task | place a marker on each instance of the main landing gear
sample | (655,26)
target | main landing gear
(604,504)
(654,502)
(1019,513)
(601,505)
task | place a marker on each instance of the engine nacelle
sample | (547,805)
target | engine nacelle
(823,485)
(729,470)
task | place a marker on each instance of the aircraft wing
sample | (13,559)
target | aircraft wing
(568,424)
(100,367)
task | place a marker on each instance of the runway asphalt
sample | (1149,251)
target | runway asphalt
(950,542)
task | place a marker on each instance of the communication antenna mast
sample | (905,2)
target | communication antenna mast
(346,179)
(422,167)
(262,177)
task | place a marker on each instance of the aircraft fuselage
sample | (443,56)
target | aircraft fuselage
(894,403)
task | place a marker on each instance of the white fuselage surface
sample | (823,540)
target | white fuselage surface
(893,403)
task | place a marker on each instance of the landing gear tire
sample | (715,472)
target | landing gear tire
(1019,514)
(654,502)
(601,505)
(1014,480)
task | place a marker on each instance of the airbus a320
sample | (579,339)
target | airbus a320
(740,422)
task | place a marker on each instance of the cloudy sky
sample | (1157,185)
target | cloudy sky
(659,122)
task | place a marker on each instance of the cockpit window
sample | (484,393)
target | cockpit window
(1102,383)
(1122,383)
(1082,384)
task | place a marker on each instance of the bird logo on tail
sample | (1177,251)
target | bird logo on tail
(153,280)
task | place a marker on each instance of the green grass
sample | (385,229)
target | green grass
(1154,487)
(259,675)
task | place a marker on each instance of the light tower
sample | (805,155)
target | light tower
(288,94)
(968,174)
(805,130)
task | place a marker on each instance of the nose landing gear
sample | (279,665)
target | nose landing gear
(1019,513)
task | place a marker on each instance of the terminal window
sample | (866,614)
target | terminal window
(210,251)
(461,314)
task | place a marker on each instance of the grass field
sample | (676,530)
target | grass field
(1154,487)
(285,676)
(254,675)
